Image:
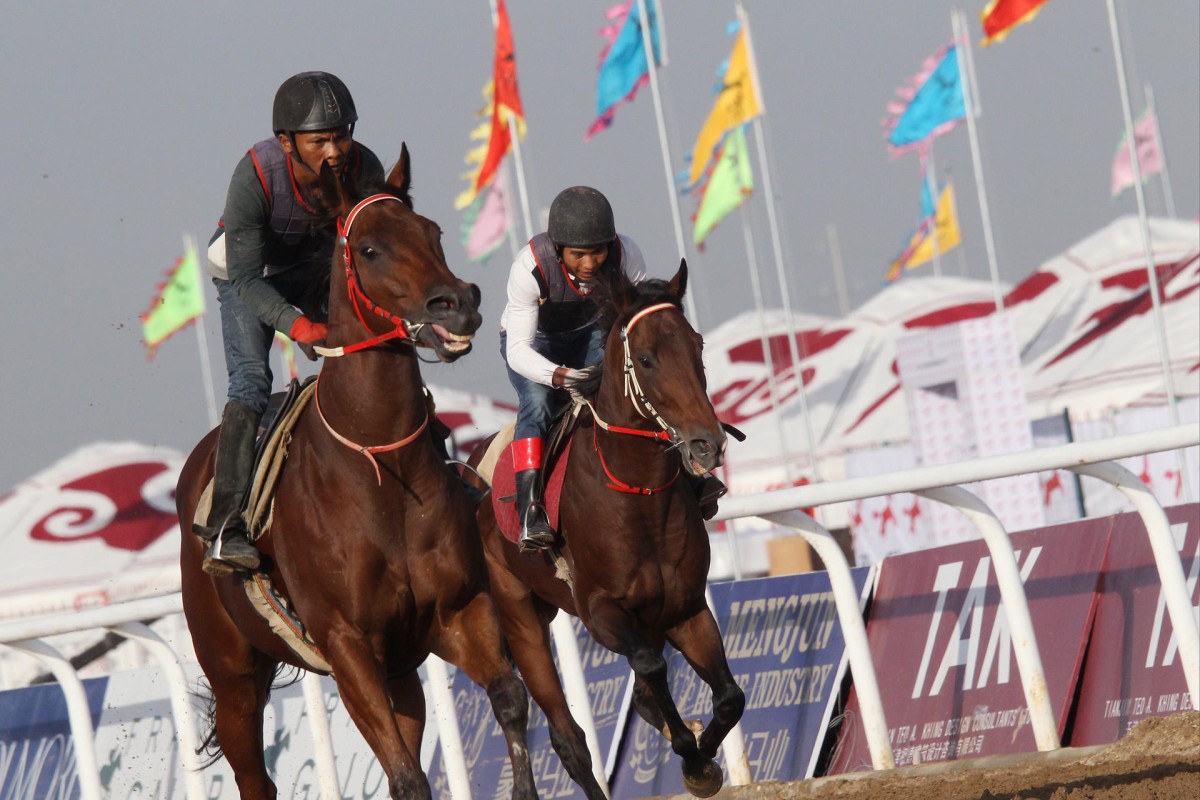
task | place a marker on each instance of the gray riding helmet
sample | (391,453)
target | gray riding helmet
(581,217)
(312,101)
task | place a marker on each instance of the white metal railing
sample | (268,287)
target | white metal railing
(937,483)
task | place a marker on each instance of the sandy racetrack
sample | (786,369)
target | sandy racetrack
(1159,759)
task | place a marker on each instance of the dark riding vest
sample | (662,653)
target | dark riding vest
(563,307)
(290,220)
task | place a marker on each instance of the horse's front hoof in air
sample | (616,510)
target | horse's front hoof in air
(704,782)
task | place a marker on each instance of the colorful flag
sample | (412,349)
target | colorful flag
(1001,16)
(1150,160)
(943,222)
(503,102)
(730,181)
(623,65)
(738,101)
(929,104)
(485,222)
(180,300)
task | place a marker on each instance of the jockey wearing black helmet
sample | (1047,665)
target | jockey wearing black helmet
(548,335)
(270,261)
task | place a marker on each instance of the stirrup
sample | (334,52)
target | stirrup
(229,553)
(539,535)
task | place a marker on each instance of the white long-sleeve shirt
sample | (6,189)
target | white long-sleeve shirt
(520,318)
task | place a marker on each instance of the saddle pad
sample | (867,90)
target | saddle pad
(504,490)
(273,607)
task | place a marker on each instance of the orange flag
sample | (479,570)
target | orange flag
(505,100)
(1001,16)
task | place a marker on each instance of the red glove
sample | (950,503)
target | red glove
(307,333)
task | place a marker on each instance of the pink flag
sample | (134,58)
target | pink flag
(486,222)
(1145,133)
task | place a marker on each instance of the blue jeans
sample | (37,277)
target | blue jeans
(248,340)
(537,403)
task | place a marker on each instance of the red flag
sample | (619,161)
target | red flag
(505,100)
(1001,16)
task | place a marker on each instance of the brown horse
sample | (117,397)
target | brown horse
(373,540)
(633,537)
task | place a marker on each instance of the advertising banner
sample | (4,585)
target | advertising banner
(137,749)
(786,651)
(609,683)
(944,655)
(1132,670)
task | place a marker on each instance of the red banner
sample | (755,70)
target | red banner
(1132,670)
(944,657)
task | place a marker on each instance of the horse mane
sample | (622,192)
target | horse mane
(620,298)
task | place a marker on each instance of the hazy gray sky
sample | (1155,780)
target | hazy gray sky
(126,119)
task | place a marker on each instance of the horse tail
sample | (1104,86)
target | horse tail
(210,746)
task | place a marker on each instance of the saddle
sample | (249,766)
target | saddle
(498,470)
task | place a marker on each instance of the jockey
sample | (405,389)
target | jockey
(548,335)
(270,260)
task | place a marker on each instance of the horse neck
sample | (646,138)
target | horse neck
(373,396)
(636,460)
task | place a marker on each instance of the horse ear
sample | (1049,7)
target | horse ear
(399,180)
(678,284)
(333,194)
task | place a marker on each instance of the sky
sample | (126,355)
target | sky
(126,120)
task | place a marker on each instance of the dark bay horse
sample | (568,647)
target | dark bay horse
(373,540)
(633,537)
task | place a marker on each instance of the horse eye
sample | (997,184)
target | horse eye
(645,361)
(366,251)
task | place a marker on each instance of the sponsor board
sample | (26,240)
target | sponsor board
(1132,670)
(785,648)
(944,655)
(609,681)
(138,752)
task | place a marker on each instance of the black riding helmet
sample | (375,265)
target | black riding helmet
(581,217)
(312,101)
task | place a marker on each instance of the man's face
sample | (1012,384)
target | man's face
(582,262)
(315,148)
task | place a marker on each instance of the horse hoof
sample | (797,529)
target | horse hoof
(704,782)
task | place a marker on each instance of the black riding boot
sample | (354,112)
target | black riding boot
(536,533)
(229,544)
(441,438)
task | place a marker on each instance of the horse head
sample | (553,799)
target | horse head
(400,286)
(654,369)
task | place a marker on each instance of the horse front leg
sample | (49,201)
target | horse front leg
(526,620)
(699,639)
(364,689)
(472,640)
(701,774)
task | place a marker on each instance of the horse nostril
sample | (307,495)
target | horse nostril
(702,448)
(476,295)
(442,304)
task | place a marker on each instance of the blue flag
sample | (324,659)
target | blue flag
(623,66)
(930,104)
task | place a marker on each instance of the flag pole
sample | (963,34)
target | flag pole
(777,247)
(516,144)
(768,350)
(931,184)
(839,269)
(1168,195)
(205,365)
(970,92)
(1151,270)
(652,72)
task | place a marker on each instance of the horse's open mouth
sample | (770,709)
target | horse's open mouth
(455,343)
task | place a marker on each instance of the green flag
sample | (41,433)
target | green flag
(180,300)
(729,184)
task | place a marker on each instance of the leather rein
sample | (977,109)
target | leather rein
(644,408)
(402,330)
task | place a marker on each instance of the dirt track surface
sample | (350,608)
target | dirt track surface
(1159,760)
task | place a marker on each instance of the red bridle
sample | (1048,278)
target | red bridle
(401,329)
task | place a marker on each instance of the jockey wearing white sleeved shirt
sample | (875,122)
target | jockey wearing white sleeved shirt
(548,335)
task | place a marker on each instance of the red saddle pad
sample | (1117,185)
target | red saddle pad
(504,490)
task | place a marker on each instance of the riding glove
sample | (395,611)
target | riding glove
(307,333)
(583,383)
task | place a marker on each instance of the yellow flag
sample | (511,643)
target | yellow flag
(947,232)
(737,103)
